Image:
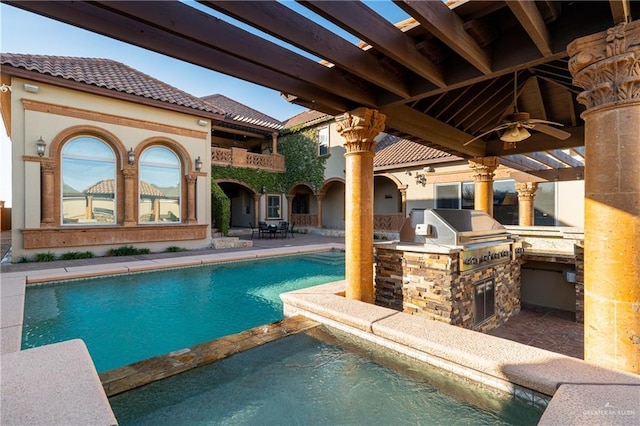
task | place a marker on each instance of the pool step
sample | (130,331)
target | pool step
(330,258)
(229,242)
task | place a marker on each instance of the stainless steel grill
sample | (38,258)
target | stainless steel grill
(451,227)
(482,239)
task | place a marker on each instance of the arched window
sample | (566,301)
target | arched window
(159,186)
(88,172)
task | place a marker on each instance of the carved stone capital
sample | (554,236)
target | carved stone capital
(607,65)
(191,179)
(484,167)
(129,173)
(526,190)
(359,127)
(48,166)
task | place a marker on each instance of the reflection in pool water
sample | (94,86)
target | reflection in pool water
(318,379)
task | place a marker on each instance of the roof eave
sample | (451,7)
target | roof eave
(110,93)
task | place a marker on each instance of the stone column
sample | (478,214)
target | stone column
(526,194)
(130,199)
(484,168)
(289,206)
(403,207)
(359,128)
(191,198)
(256,209)
(607,66)
(319,198)
(274,143)
(48,167)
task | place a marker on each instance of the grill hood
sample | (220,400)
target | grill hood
(451,227)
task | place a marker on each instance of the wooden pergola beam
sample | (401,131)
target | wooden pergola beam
(437,18)
(621,11)
(360,20)
(531,20)
(281,22)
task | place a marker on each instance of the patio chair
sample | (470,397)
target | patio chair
(263,229)
(291,229)
(254,231)
(283,228)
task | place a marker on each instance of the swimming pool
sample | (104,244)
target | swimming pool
(128,318)
(321,377)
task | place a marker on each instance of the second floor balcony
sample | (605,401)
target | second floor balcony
(240,157)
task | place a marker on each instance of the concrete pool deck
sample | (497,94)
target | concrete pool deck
(533,373)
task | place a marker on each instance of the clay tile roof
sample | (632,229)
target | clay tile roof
(242,113)
(104,186)
(394,151)
(307,118)
(107,74)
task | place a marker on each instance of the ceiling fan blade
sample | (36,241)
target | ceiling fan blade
(539,121)
(551,131)
(500,127)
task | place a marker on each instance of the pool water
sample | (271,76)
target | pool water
(128,318)
(316,379)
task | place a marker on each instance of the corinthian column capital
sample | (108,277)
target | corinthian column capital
(607,65)
(526,190)
(484,167)
(359,128)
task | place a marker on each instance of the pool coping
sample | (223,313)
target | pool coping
(530,374)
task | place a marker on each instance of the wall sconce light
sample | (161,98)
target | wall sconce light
(131,156)
(31,88)
(198,164)
(421,177)
(40,146)
(264,190)
(202,123)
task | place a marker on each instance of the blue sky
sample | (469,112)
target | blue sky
(24,32)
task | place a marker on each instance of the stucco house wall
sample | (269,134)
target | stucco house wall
(56,114)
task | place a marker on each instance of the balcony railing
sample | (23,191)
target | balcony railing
(240,157)
(387,222)
(304,219)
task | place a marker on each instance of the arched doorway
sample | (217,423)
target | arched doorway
(389,203)
(243,203)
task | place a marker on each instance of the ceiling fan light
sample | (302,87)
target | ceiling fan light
(515,134)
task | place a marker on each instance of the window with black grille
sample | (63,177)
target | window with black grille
(483,300)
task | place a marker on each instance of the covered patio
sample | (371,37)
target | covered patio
(454,72)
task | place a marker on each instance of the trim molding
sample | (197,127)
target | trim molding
(67,111)
(81,236)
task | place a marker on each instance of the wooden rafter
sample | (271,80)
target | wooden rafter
(281,22)
(408,120)
(191,25)
(443,23)
(531,20)
(621,11)
(360,20)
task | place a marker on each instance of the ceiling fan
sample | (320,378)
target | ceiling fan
(516,125)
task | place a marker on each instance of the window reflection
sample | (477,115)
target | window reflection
(88,173)
(159,186)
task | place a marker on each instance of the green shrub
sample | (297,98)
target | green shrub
(24,259)
(72,255)
(45,257)
(128,251)
(220,208)
(175,249)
